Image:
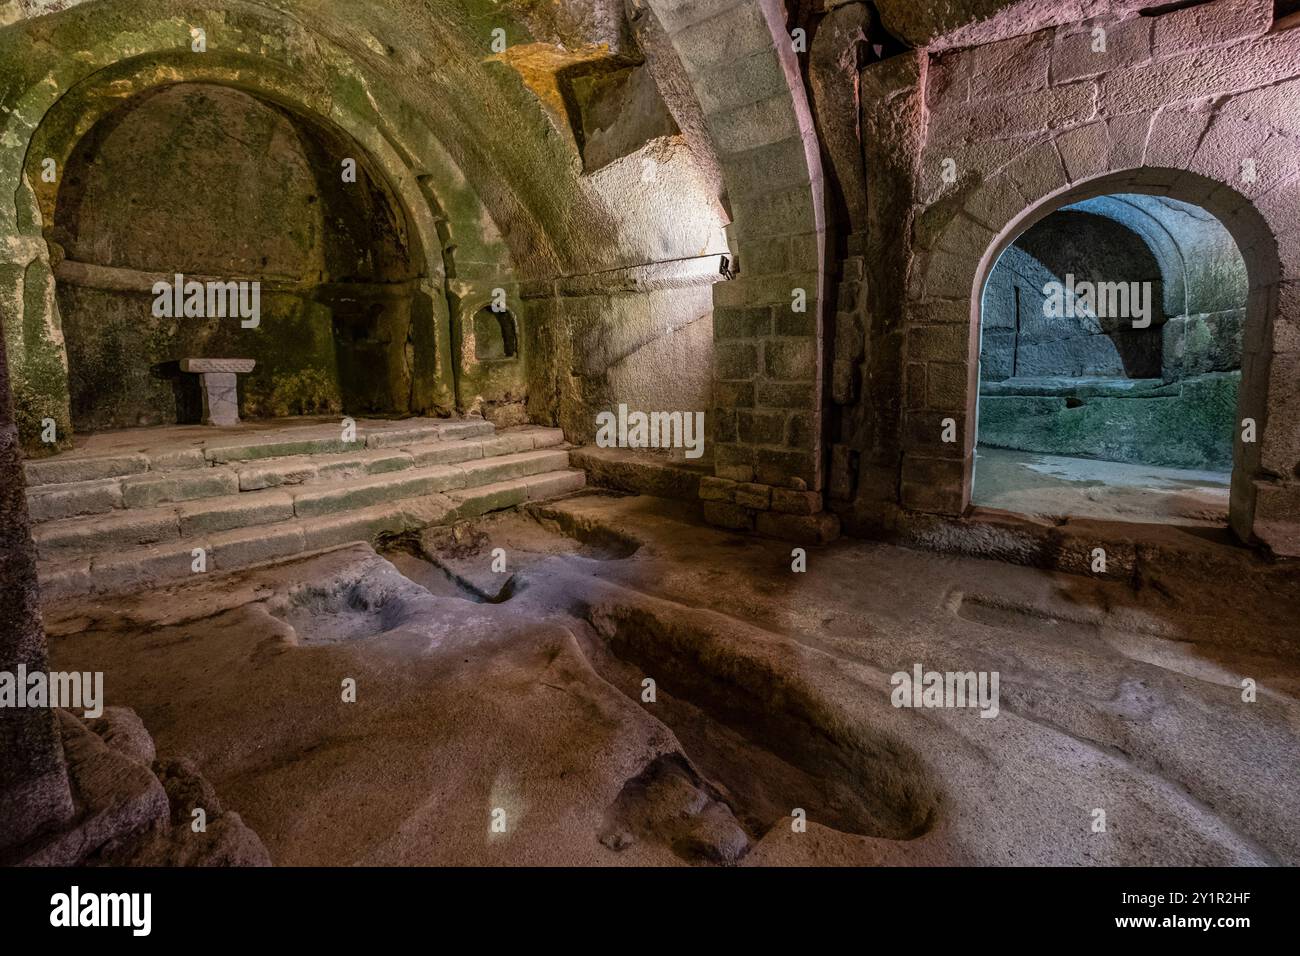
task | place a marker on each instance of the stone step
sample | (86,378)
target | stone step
(49,502)
(121,530)
(442,431)
(159,487)
(185,451)
(265,473)
(641,472)
(331,498)
(127,569)
(135,527)
(472,502)
(52,501)
(307,469)
(55,471)
(283,447)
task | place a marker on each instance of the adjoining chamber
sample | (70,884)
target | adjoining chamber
(1111,332)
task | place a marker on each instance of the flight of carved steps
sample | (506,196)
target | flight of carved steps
(120,521)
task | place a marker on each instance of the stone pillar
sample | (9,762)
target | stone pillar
(34,792)
(833,75)
(220,394)
(767,324)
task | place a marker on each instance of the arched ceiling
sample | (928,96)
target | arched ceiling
(431,63)
(1203,268)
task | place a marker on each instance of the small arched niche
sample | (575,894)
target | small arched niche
(496,335)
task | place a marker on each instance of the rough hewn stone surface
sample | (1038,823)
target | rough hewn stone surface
(33,781)
(122,729)
(1189,424)
(607,589)
(833,64)
(642,184)
(280,506)
(134,810)
(117,798)
(415,251)
(641,473)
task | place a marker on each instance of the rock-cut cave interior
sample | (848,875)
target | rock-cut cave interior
(649,432)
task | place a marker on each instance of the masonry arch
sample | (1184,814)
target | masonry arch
(1110,356)
(954,274)
(387,307)
(769,358)
(1251,233)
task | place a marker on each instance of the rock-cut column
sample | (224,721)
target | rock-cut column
(34,793)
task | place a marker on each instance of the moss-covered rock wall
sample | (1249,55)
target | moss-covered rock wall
(486,167)
(208,181)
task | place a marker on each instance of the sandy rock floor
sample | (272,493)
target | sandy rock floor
(499,716)
(1048,485)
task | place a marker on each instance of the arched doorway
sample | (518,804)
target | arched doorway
(215,185)
(1110,358)
(945,295)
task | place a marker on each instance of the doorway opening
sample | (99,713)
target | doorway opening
(1110,363)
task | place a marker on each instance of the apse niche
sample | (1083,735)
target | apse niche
(1111,331)
(209,181)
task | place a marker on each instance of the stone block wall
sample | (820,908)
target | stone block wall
(1193,103)
(869,323)
(767,322)
(773,511)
